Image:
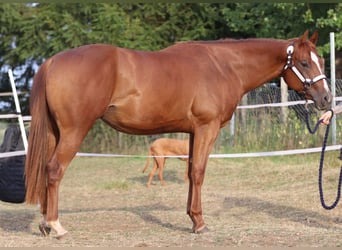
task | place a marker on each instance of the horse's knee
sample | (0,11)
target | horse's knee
(54,172)
(197,176)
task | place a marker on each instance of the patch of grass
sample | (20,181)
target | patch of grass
(114,185)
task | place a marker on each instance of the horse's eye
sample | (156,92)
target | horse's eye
(304,64)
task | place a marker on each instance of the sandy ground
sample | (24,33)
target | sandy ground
(253,203)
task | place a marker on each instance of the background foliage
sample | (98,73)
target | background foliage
(32,32)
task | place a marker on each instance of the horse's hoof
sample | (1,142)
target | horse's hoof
(61,236)
(201,230)
(44,229)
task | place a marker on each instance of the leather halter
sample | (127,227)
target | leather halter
(307,82)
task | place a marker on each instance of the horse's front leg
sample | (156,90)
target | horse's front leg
(201,143)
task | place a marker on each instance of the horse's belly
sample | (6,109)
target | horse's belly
(132,122)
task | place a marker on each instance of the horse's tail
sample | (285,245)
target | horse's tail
(36,158)
(147,161)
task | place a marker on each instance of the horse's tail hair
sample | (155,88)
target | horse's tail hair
(36,158)
(147,161)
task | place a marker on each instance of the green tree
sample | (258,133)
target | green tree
(30,33)
(276,20)
(332,23)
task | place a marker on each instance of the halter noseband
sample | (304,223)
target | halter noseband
(307,82)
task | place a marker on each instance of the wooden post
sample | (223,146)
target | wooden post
(284,98)
(243,111)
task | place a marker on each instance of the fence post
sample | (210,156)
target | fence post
(18,110)
(232,127)
(244,101)
(333,85)
(284,98)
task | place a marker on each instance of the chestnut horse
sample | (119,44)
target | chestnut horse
(190,87)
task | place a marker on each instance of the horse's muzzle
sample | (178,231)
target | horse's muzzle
(323,102)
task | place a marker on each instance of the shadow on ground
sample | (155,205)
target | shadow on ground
(308,218)
(16,220)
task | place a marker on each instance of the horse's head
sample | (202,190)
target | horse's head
(303,71)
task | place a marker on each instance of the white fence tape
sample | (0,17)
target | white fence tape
(238,155)
(277,104)
(13,153)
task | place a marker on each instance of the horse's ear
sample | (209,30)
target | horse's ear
(304,37)
(314,37)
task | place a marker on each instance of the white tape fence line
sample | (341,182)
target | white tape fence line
(233,155)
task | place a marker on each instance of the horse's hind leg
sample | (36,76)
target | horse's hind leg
(65,151)
(43,226)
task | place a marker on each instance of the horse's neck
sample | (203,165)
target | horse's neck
(260,61)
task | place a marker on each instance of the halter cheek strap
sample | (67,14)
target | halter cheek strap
(307,82)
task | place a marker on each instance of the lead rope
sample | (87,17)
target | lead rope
(320,174)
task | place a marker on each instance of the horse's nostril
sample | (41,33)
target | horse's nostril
(326,101)
(328,98)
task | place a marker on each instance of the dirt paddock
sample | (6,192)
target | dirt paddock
(247,202)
